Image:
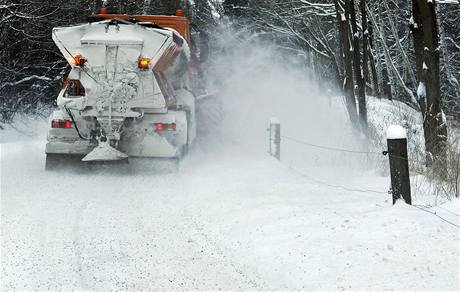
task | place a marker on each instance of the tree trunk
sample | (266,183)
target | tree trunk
(339,37)
(415,25)
(426,43)
(373,57)
(361,86)
(347,63)
(386,70)
(362,5)
(365,64)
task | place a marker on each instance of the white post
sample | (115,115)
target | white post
(275,138)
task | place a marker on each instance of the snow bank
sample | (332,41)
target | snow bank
(382,114)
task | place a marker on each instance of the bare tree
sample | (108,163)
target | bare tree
(426,44)
(357,68)
(345,31)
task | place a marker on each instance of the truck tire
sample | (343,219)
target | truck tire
(149,165)
(209,112)
(59,161)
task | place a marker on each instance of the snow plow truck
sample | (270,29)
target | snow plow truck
(131,91)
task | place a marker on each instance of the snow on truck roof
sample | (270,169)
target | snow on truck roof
(111,36)
(78,38)
(123,34)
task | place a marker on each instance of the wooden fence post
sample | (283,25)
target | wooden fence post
(399,164)
(275,138)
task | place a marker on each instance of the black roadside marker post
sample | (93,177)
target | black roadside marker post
(399,164)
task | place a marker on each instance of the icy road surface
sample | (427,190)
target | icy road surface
(225,221)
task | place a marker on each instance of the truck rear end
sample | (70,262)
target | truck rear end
(128,93)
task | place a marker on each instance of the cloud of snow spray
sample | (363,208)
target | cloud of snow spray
(258,81)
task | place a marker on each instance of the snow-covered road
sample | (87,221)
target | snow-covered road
(231,218)
(226,220)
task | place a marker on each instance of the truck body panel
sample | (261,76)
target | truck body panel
(128,88)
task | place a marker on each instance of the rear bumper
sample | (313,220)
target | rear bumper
(60,147)
(149,146)
(139,140)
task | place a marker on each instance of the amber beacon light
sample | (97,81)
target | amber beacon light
(77,60)
(143,63)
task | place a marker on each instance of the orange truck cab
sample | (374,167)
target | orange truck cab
(178,22)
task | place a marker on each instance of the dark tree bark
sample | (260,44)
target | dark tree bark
(385,68)
(362,5)
(339,37)
(372,56)
(426,43)
(345,32)
(360,83)
(417,33)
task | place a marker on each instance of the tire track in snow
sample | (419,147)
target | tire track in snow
(206,240)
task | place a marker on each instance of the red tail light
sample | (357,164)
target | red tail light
(61,124)
(160,127)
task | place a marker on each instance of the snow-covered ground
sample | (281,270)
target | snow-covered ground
(227,220)
(232,217)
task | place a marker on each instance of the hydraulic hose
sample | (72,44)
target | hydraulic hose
(73,121)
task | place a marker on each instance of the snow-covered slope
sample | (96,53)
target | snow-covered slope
(383,113)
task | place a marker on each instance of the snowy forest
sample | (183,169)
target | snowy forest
(407,51)
(398,50)
(385,37)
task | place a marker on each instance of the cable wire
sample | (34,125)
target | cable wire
(435,214)
(420,207)
(384,153)
(334,185)
(75,124)
(327,147)
(367,191)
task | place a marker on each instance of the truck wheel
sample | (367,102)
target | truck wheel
(184,151)
(153,165)
(52,162)
(209,112)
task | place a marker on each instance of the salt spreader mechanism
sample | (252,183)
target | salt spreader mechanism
(131,89)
